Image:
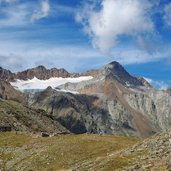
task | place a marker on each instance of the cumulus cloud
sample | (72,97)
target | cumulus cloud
(113,19)
(167,14)
(42,12)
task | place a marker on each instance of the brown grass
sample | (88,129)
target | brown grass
(62,152)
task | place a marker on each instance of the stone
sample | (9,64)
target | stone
(44,134)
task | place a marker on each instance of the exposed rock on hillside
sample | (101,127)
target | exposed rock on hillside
(23,118)
(137,105)
(152,154)
(6,74)
(116,71)
(8,92)
(82,113)
(78,113)
(42,73)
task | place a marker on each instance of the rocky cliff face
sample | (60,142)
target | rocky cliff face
(154,104)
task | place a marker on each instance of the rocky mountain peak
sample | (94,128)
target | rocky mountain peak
(40,67)
(114,67)
(115,70)
(6,74)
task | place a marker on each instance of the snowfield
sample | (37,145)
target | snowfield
(43,84)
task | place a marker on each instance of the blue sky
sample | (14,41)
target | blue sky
(80,35)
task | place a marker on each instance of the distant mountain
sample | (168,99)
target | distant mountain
(113,69)
(105,101)
(39,72)
(42,73)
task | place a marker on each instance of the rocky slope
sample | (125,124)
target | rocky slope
(6,75)
(85,152)
(8,92)
(78,113)
(152,154)
(22,118)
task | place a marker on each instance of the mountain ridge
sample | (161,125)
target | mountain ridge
(111,102)
(113,69)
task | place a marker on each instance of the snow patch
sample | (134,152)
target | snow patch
(67,91)
(54,82)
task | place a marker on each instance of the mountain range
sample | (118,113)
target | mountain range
(104,101)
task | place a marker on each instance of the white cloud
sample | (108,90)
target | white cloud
(19,13)
(77,57)
(115,18)
(161,85)
(167,14)
(149,80)
(42,12)
(14,15)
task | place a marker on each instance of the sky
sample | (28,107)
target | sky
(81,35)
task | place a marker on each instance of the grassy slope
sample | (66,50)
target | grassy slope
(79,152)
(86,152)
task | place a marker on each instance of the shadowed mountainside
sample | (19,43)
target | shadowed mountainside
(22,118)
